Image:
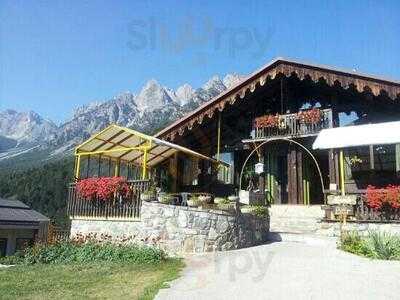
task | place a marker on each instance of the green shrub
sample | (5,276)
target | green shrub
(259,211)
(379,245)
(353,243)
(11,260)
(226,206)
(221,200)
(69,252)
(225,201)
(384,245)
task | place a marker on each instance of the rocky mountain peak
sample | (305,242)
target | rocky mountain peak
(149,111)
(152,96)
(25,127)
(233,79)
(214,84)
(184,94)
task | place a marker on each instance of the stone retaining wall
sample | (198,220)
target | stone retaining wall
(333,228)
(181,230)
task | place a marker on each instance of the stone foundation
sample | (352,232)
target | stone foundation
(333,228)
(181,230)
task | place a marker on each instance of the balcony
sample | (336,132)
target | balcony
(302,124)
(118,209)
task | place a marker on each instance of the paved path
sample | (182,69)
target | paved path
(285,270)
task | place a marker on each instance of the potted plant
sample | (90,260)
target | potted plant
(245,209)
(256,210)
(226,204)
(166,199)
(233,198)
(193,201)
(208,199)
(219,200)
(148,195)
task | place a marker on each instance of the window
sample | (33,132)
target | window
(357,162)
(372,162)
(190,171)
(385,158)
(22,243)
(225,174)
(3,247)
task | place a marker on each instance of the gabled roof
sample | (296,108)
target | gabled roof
(286,67)
(16,211)
(12,203)
(117,142)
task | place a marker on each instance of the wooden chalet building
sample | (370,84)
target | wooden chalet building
(279,103)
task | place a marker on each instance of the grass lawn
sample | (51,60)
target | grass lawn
(95,281)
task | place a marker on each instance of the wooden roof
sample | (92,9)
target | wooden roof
(278,66)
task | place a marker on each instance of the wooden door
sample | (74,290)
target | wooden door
(282,179)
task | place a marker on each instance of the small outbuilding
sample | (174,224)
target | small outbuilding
(20,226)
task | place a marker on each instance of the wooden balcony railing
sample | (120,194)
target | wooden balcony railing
(122,209)
(291,126)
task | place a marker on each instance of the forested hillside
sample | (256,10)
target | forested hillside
(43,188)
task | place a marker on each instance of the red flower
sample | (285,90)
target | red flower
(312,116)
(87,188)
(267,121)
(378,198)
(375,197)
(393,196)
(103,188)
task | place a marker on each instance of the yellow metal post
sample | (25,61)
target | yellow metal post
(341,158)
(144,164)
(78,166)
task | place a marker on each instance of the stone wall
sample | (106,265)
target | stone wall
(333,228)
(181,230)
(107,227)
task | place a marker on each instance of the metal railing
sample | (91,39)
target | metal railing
(292,126)
(117,209)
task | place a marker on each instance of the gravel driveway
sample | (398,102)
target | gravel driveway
(285,270)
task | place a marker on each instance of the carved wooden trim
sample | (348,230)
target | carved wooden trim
(361,83)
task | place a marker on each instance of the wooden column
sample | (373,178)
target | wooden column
(335,114)
(173,170)
(336,159)
(292,176)
(332,167)
(299,162)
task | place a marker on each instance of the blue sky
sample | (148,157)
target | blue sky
(56,55)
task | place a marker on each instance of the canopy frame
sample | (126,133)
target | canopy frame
(134,148)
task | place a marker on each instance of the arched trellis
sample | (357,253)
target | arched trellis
(289,141)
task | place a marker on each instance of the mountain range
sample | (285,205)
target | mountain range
(25,134)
